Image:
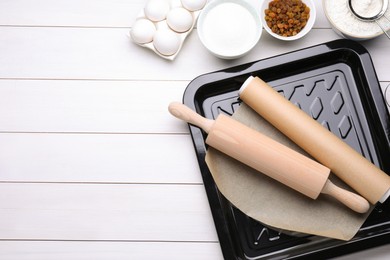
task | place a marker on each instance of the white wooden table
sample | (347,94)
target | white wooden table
(92,166)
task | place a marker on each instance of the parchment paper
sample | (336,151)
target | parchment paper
(274,204)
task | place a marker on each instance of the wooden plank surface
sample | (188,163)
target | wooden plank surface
(108,53)
(110,158)
(105,212)
(89,106)
(92,166)
(101,250)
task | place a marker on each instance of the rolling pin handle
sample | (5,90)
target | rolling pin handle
(351,200)
(185,113)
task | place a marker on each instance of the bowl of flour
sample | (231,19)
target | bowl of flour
(229,29)
(346,24)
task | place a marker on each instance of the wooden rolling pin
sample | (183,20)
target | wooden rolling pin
(355,170)
(269,157)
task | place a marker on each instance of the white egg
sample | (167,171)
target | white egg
(156,10)
(143,31)
(166,42)
(193,5)
(179,19)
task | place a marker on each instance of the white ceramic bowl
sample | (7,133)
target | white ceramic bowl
(303,32)
(229,29)
(345,24)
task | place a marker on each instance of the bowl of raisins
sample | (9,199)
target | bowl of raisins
(288,20)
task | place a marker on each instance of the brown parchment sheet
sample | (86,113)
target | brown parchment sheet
(274,204)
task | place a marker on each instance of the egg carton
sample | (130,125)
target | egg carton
(163,25)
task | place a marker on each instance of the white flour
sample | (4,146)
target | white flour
(367,8)
(342,18)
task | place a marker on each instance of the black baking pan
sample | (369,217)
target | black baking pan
(336,84)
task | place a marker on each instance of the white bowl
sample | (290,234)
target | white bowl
(303,32)
(229,29)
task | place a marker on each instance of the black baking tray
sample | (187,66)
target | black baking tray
(336,84)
